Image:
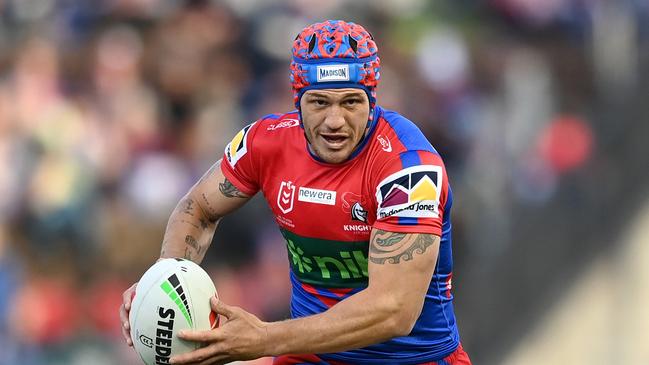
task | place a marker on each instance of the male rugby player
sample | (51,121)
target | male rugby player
(363,201)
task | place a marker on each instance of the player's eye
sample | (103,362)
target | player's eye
(319,102)
(351,102)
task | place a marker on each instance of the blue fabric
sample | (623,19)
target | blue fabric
(435,334)
(408,133)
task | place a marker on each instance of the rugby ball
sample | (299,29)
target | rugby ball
(172,295)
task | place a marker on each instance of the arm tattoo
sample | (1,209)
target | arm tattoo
(229,190)
(393,247)
(187,206)
(389,240)
(193,243)
(188,254)
(188,222)
(204,224)
(210,210)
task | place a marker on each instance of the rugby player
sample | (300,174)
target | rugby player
(364,203)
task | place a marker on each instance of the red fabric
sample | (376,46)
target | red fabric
(458,357)
(276,155)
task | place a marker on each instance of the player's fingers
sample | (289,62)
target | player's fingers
(202,355)
(126,333)
(123,315)
(127,336)
(198,336)
(221,308)
(127,297)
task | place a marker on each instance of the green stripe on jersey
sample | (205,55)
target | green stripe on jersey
(327,263)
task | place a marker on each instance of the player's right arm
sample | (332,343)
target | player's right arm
(191,225)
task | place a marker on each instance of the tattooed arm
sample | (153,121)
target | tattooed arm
(192,225)
(400,270)
(193,221)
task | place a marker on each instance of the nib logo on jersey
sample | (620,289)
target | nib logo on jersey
(412,192)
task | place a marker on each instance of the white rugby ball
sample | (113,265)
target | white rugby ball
(173,295)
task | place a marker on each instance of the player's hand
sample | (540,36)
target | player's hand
(124,310)
(242,337)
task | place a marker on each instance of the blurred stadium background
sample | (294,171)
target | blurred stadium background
(109,110)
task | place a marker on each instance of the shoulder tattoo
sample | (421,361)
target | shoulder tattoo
(229,190)
(393,247)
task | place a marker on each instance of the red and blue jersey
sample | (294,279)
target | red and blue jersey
(394,181)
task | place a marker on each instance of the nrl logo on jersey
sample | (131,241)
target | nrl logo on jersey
(238,146)
(412,192)
(285,196)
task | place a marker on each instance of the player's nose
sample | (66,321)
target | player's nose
(334,118)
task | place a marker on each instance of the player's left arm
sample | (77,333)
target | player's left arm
(400,269)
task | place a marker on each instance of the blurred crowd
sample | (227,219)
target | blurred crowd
(110,110)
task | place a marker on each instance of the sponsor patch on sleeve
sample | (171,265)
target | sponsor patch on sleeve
(237,148)
(412,192)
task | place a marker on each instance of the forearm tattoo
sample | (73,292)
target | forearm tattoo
(193,248)
(193,243)
(229,190)
(188,254)
(394,247)
(209,209)
(187,206)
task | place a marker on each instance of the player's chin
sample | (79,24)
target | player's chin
(333,156)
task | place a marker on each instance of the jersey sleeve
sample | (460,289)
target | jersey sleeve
(239,163)
(411,194)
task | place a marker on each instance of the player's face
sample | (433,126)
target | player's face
(334,121)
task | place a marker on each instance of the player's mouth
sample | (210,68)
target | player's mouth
(334,141)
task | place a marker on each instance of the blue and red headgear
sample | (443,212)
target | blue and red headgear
(335,54)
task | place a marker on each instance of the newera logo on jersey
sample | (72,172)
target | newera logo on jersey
(412,192)
(318,196)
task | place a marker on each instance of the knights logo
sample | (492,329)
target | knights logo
(285,196)
(358,213)
(353,204)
